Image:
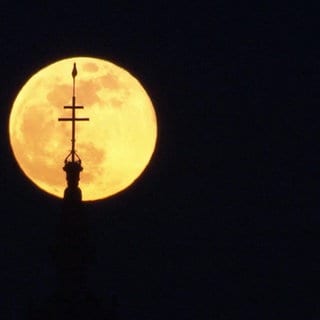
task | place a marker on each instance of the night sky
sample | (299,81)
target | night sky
(223,224)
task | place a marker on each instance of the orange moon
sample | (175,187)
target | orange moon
(115,146)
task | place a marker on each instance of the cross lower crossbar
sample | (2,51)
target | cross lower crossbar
(73,119)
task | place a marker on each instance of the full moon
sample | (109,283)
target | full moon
(115,146)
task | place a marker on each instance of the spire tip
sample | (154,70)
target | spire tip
(74,71)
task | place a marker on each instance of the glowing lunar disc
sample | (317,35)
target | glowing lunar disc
(115,146)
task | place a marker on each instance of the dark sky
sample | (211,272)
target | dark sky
(224,222)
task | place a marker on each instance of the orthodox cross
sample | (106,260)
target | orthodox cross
(73,118)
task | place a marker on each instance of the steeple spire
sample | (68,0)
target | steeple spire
(73,251)
(72,161)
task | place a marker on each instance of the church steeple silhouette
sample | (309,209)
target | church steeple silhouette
(73,252)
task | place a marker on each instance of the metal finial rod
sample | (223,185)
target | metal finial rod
(73,139)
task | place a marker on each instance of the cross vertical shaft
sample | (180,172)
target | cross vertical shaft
(73,138)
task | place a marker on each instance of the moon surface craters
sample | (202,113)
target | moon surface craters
(116,144)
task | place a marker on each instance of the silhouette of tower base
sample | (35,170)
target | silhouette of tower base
(73,253)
